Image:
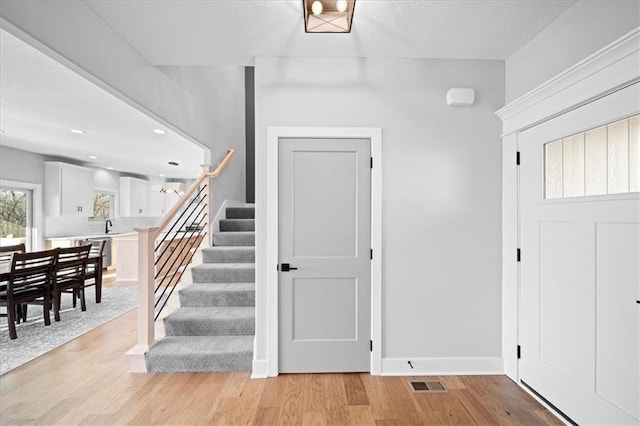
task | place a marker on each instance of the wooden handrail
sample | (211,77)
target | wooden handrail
(192,189)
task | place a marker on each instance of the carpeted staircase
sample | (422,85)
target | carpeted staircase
(214,327)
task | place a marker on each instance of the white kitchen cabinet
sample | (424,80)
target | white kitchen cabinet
(134,197)
(68,190)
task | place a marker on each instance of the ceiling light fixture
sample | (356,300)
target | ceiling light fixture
(328,16)
(164,190)
(159,131)
(77,131)
(93,157)
(109,168)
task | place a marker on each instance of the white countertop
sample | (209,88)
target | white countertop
(83,237)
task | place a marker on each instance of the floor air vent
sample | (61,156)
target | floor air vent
(419,386)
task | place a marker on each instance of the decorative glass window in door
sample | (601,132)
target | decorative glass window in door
(603,160)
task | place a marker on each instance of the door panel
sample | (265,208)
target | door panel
(314,298)
(324,232)
(617,281)
(579,320)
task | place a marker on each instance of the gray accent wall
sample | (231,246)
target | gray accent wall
(250,132)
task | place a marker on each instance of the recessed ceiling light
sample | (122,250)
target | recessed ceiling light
(77,131)
(93,157)
(173,163)
(161,175)
(159,131)
(109,168)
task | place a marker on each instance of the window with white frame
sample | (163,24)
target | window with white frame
(603,160)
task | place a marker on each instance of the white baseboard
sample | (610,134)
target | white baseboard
(441,366)
(137,362)
(259,369)
(128,282)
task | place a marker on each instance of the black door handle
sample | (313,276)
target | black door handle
(285,267)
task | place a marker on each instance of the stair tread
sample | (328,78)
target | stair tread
(212,313)
(206,345)
(219,287)
(218,266)
(229,248)
(240,212)
(236,232)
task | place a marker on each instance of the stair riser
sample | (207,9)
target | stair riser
(233,239)
(241,361)
(194,299)
(236,256)
(210,327)
(231,225)
(223,275)
(240,213)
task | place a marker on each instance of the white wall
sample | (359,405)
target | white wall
(581,30)
(219,93)
(106,179)
(21,166)
(441,169)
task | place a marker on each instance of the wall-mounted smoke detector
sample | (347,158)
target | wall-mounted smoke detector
(461,97)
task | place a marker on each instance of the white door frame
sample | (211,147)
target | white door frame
(374,134)
(605,71)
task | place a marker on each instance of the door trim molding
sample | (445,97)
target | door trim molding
(374,134)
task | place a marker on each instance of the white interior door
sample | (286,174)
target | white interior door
(324,232)
(580,273)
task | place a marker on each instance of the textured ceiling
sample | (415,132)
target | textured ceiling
(42,100)
(213,32)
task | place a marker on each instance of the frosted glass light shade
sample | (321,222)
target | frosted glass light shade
(316,7)
(328,16)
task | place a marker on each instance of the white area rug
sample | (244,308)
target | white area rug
(34,339)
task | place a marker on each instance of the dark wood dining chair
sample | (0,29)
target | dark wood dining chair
(6,254)
(93,275)
(69,275)
(30,279)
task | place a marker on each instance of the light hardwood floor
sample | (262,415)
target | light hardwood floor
(86,381)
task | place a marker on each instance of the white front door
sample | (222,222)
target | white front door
(324,232)
(580,273)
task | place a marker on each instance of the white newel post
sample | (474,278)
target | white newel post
(146,274)
(206,168)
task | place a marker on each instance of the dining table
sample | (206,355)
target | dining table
(5,267)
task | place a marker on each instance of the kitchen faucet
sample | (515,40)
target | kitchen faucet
(107,224)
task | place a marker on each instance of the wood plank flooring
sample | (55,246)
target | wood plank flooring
(87,382)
